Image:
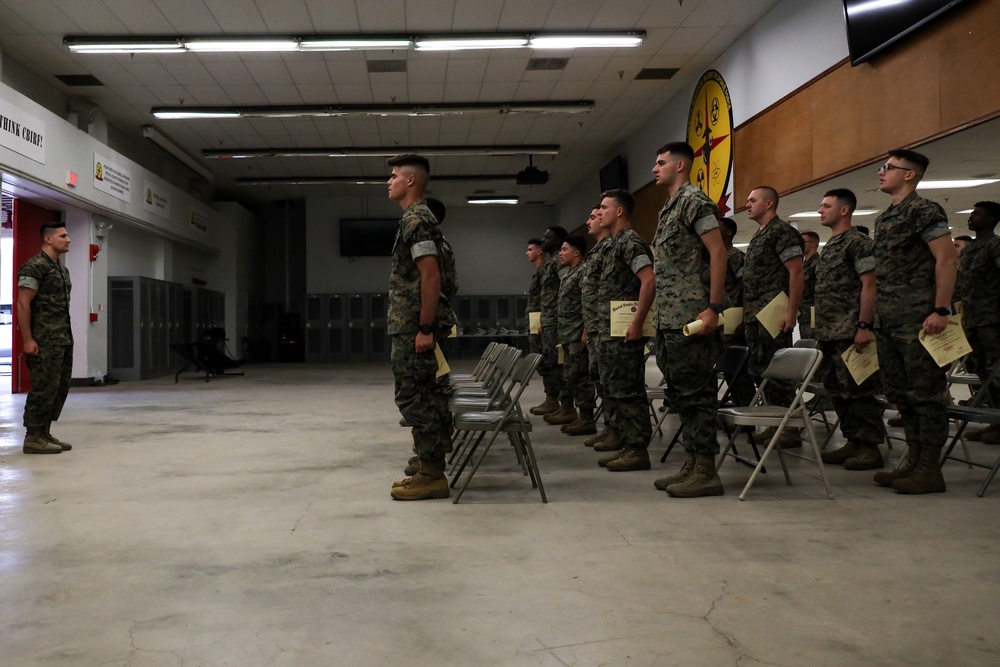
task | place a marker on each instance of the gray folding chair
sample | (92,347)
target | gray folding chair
(478,374)
(979,413)
(791,365)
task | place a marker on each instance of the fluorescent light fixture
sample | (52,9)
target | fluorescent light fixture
(381,151)
(492,201)
(968,210)
(176,151)
(583,41)
(242,45)
(955,184)
(129,47)
(381,110)
(874,5)
(462,44)
(355,44)
(815,214)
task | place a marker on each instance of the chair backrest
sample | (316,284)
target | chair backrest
(484,361)
(795,364)
(521,375)
(809,343)
(505,366)
(983,395)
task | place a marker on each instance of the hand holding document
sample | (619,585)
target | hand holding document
(443,368)
(691,328)
(949,345)
(861,364)
(535,322)
(622,314)
(732,318)
(771,315)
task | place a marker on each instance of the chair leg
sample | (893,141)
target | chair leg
(989,478)
(533,465)
(479,461)
(819,459)
(464,461)
(673,441)
(756,470)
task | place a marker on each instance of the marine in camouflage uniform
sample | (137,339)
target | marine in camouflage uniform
(808,295)
(979,276)
(576,366)
(44,289)
(590,284)
(743,386)
(913,251)
(846,258)
(549,278)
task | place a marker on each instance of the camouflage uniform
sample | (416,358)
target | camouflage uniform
(682,291)
(422,399)
(838,298)
(52,368)
(808,296)
(548,280)
(743,386)
(590,283)
(979,271)
(534,306)
(576,369)
(621,364)
(764,277)
(905,278)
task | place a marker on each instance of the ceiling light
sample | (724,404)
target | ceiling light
(585,41)
(178,114)
(492,201)
(955,184)
(355,44)
(125,46)
(815,214)
(242,45)
(491,151)
(461,44)
(382,110)
(968,210)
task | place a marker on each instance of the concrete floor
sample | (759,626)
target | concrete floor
(247,521)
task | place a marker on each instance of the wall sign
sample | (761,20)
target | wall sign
(112,179)
(710,134)
(21,132)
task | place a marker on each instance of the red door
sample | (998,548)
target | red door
(27,225)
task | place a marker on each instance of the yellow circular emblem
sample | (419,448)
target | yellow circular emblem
(710,134)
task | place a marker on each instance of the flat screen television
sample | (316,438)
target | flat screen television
(614,174)
(367,238)
(874,25)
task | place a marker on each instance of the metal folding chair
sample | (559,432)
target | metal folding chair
(979,413)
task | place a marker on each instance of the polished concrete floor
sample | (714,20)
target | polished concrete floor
(247,521)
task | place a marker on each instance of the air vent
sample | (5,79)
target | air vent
(656,73)
(545,64)
(387,65)
(79,80)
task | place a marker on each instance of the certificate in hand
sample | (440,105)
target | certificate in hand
(535,322)
(949,345)
(443,368)
(731,319)
(770,316)
(861,364)
(622,314)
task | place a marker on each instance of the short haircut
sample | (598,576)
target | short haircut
(992,208)
(811,234)
(964,237)
(623,198)
(846,196)
(410,160)
(48,228)
(559,232)
(537,242)
(681,149)
(578,242)
(863,229)
(437,207)
(767,192)
(729,224)
(913,157)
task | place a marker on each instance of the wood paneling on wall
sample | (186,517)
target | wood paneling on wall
(937,82)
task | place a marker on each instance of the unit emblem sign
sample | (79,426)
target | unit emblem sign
(710,132)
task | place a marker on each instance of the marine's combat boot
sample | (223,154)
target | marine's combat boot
(550,404)
(54,440)
(590,442)
(585,425)
(838,456)
(926,477)
(609,444)
(703,481)
(429,482)
(35,443)
(679,476)
(566,414)
(631,459)
(605,460)
(868,457)
(889,477)
(412,466)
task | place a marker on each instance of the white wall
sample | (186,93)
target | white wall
(489,245)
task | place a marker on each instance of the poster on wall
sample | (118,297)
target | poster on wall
(199,221)
(112,179)
(710,134)
(21,132)
(156,201)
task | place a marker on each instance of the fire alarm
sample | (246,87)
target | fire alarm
(94,249)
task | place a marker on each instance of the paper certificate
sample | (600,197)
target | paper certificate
(812,316)
(861,364)
(691,328)
(535,322)
(454,331)
(949,345)
(732,318)
(443,368)
(957,308)
(560,354)
(622,314)
(770,316)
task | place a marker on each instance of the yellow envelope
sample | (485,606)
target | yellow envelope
(949,345)
(454,331)
(561,354)
(622,314)
(535,322)
(861,364)
(732,318)
(443,368)
(770,316)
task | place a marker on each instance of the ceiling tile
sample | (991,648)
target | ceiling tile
(352,71)
(246,94)
(462,92)
(189,73)
(466,70)
(55,19)
(424,93)
(237,16)
(140,16)
(354,93)
(333,15)
(311,72)
(230,73)
(269,73)
(318,93)
(290,17)
(375,16)
(521,14)
(475,16)
(191,17)
(428,16)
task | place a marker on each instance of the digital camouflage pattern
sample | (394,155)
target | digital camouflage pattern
(571,306)
(808,296)
(688,364)
(625,255)
(979,275)
(735,258)
(856,407)
(51,371)
(548,367)
(590,286)
(418,235)
(576,376)
(761,347)
(764,272)
(914,383)
(904,265)
(681,260)
(549,296)
(50,324)
(535,293)
(421,398)
(844,259)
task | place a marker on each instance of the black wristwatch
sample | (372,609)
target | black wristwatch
(864,325)
(426,329)
(716,308)
(942,310)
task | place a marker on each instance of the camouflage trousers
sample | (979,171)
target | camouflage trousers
(422,398)
(762,348)
(50,371)
(593,353)
(688,364)
(548,367)
(859,413)
(622,368)
(985,342)
(576,376)
(914,383)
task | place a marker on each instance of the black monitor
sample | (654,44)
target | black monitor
(614,175)
(873,25)
(367,238)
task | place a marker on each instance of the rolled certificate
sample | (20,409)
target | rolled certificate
(692,328)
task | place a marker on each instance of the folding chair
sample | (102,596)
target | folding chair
(478,374)
(979,413)
(511,420)
(653,394)
(492,397)
(789,364)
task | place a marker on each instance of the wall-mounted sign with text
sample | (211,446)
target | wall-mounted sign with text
(21,132)
(156,201)
(112,179)
(199,221)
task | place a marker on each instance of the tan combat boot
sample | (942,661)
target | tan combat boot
(550,404)
(889,477)
(868,457)
(429,482)
(565,415)
(585,425)
(631,459)
(838,456)
(679,476)
(54,440)
(35,443)
(590,442)
(609,444)
(412,466)
(703,481)
(605,460)
(926,477)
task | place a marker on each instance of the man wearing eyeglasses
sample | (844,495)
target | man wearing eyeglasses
(915,275)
